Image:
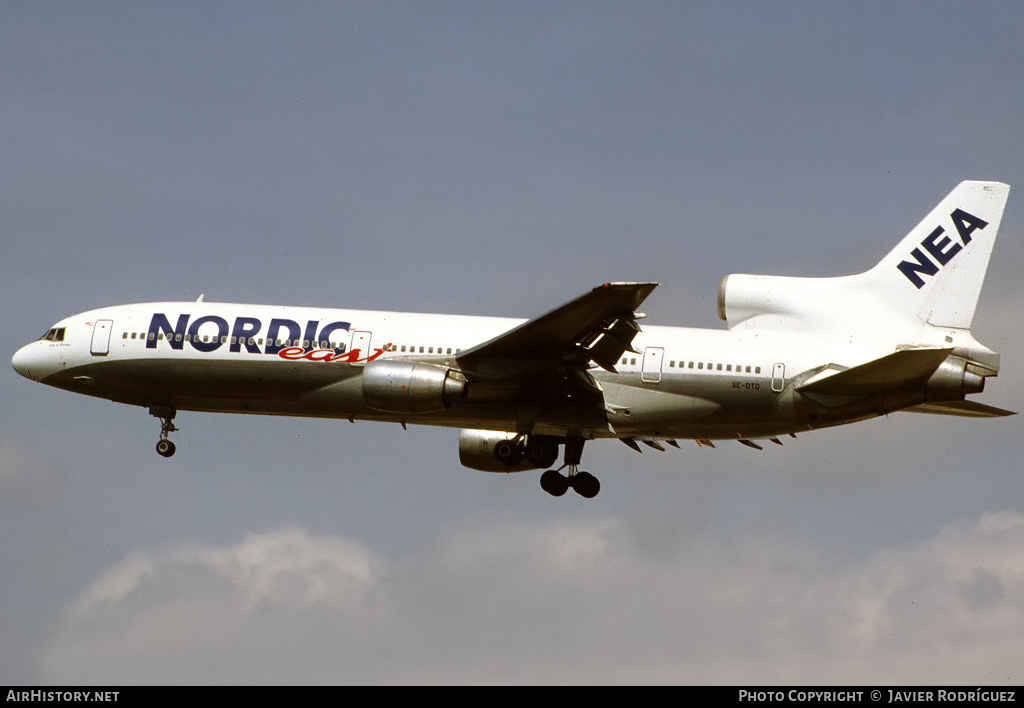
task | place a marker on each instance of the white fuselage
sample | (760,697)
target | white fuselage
(204,356)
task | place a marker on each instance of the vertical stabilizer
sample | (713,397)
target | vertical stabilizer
(937,270)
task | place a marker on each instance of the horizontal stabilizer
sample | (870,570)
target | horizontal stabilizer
(968,409)
(909,367)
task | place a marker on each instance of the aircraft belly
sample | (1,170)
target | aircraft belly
(189,384)
(689,407)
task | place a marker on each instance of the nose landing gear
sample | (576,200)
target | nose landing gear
(164,447)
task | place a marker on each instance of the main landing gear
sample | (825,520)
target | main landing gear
(583,483)
(164,447)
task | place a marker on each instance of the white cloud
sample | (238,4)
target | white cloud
(563,602)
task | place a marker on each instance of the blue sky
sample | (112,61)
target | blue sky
(495,159)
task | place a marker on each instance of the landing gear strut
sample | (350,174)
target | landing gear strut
(164,447)
(584,483)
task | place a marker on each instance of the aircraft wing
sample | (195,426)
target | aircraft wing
(596,327)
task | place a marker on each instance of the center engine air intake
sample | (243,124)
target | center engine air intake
(411,386)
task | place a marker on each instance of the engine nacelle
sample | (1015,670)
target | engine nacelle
(411,386)
(953,380)
(742,296)
(788,302)
(495,451)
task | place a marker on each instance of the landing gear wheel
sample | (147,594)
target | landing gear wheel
(508,453)
(165,448)
(553,483)
(585,484)
(542,453)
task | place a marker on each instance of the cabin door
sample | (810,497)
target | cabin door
(101,337)
(778,377)
(360,348)
(653,358)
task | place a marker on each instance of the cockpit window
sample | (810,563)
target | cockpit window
(54,335)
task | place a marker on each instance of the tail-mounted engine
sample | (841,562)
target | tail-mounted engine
(954,379)
(411,386)
(742,297)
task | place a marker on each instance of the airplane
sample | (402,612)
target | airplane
(797,354)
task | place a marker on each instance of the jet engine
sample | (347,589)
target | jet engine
(742,296)
(775,300)
(411,386)
(498,451)
(953,380)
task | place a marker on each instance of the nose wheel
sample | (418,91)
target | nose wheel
(164,447)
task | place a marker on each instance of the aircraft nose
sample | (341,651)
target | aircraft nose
(23,361)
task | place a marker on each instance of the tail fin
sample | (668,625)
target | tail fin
(933,277)
(937,270)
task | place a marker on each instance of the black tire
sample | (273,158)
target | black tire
(586,485)
(165,448)
(553,483)
(542,453)
(508,453)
